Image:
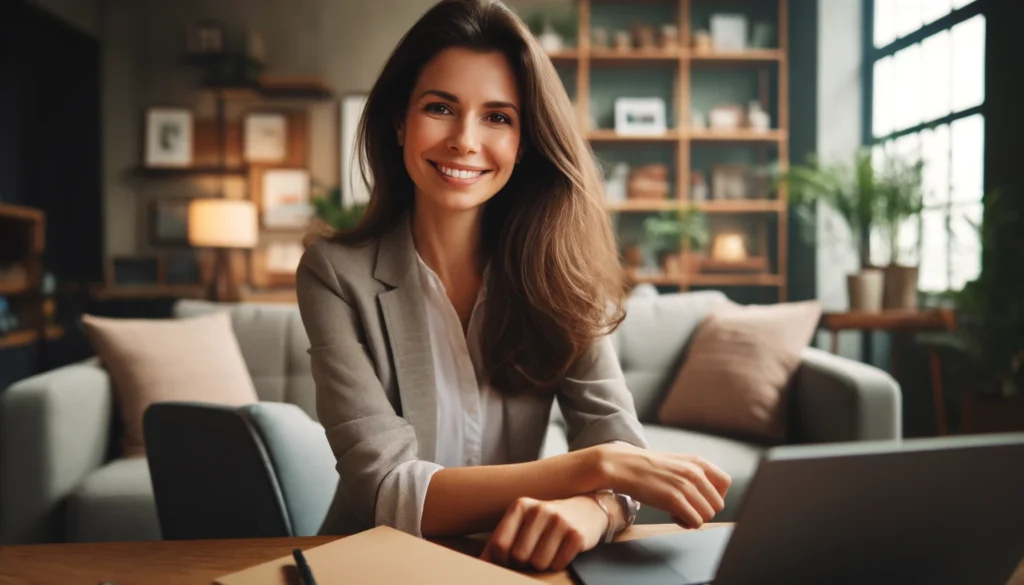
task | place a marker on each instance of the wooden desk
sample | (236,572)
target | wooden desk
(900,321)
(196,562)
(199,562)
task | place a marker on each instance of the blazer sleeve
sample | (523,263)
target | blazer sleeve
(595,402)
(375,448)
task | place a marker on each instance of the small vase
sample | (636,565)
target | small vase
(865,290)
(900,288)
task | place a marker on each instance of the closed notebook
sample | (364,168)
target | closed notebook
(379,555)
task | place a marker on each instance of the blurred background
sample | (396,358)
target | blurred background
(864,153)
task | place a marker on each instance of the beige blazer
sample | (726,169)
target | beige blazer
(364,312)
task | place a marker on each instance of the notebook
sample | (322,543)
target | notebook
(379,555)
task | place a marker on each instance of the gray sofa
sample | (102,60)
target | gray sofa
(58,482)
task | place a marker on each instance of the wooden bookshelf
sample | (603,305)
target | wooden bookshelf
(763,63)
(23,337)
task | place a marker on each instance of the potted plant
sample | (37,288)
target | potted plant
(852,191)
(990,321)
(675,235)
(900,198)
(330,216)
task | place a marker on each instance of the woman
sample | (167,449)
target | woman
(480,287)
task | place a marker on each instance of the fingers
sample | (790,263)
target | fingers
(549,544)
(715,475)
(683,510)
(504,535)
(699,503)
(571,545)
(708,492)
(533,526)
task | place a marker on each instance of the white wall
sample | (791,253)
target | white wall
(840,92)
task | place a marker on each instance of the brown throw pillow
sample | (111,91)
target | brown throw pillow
(739,364)
(196,359)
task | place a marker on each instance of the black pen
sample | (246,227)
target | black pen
(304,571)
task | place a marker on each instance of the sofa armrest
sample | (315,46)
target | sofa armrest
(54,430)
(838,399)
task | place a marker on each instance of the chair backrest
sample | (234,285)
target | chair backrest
(274,343)
(262,470)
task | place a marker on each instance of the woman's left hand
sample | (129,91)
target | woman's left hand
(546,535)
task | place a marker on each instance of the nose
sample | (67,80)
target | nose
(465,137)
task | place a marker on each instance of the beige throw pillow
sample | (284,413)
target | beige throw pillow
(195,359)
(738,368)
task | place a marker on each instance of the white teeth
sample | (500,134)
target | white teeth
(459,174)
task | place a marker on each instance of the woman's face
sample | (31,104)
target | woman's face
(461,132)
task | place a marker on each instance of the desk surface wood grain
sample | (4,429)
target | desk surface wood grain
(199,562)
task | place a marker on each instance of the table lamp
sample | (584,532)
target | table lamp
(223,225)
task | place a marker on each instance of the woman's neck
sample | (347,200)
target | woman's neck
(449,243)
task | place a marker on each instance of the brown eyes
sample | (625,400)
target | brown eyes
(443,110)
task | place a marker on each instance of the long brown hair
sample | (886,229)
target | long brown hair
(555,284)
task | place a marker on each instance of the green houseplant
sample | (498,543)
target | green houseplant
(330,216)
(668,232)
(900,196)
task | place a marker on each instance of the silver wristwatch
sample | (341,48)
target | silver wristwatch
(628,505)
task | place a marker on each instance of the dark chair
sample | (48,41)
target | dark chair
(263,470)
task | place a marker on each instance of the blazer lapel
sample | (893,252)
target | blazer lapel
(405,318)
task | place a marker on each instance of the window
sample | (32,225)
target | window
(924,95)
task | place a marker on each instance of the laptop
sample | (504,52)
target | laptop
(939,511)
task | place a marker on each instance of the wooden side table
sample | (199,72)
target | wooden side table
(893,321)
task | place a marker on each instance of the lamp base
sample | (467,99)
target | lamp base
(223,288)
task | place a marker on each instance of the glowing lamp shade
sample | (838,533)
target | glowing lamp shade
(729,247)
(222,223)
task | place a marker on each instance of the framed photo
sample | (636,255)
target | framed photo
(274,262)
(168,221)
(204,37)
(730,182)
(265,137)
(168,141)
(283,197)
(353,190)
(640,116)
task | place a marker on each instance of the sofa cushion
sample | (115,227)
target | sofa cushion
(740,363)
(273,342)
(736,458)
(153,360)
(651,341)
(114,503)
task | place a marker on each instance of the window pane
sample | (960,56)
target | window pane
(967,181)
(932,10)
(908,87)
(935,152)
(965,260)
(934,265)
(936,73)
(882,122)
(908,16)
(885,22)
(969,63)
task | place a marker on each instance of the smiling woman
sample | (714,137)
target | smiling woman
(480,287)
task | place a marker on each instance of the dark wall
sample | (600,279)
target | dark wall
(50,144)
(803,133)
(1004,111)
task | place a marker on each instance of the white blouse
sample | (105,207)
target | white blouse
(469,412)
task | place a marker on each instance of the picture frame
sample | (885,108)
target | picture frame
(265,137)
(353,190)
(729,32)
(169,137)
(204,36)
(730,182)
(282,196)
(640,116)
(274,262)
(168,221)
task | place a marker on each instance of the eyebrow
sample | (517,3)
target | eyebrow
(447,96)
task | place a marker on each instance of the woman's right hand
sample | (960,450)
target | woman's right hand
(689,488)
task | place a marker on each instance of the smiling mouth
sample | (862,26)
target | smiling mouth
(458,174)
